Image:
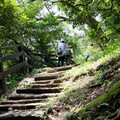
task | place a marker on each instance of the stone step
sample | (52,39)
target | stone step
(47,81)
(49,76)
(32,96)
(64,68)
(51,81)
(39,90)
(31,114)
(25,101)
(45,78)
(45,85)
(8,107)
(10,117)
(23,105)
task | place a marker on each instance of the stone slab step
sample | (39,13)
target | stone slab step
(64,68)
(47,81)
(45,78)
(21,106)
(32,96)
(26,101)
(10,117)
(32,114)
(51,81)
(49,76)
(45,85)
(39,90)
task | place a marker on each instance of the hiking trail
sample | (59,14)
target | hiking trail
(30,102)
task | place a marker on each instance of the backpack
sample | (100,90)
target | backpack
(68,52)
(59,52)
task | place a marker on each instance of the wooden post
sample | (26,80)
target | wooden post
(2,81)
(30,63)
(21,58)
(46,59)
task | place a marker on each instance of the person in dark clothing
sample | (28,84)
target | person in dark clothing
(61,52)
(61,59)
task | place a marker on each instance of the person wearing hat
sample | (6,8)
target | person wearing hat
(61,52)
(69,53)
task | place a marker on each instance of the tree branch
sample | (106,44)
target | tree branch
(64,18)
(67,3)
(84,4)
(47,8)
(60,17)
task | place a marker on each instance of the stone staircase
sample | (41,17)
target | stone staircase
(31,103)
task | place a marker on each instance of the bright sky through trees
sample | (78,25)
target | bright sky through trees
(68,27)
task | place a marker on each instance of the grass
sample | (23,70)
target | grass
(77,94)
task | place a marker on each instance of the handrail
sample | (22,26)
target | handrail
(12,69)
(38,54)
(25,49)
(9,57)
(25,59)
(13,46)
(42,54)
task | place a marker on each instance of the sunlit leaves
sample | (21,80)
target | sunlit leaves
(32,9)
(107,1)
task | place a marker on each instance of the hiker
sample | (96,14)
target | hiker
(62,46)
(69,53)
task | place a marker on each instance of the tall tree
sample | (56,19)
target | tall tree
(81,12)
(22,22)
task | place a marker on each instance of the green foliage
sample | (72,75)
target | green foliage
(4,98)
(101,18)
(24,22)
(112,49)
(105,83)
(12,79)
(100,118)
(10,24)
(39,32)
(67,106)
(20,24)
(103,105)
(70,117)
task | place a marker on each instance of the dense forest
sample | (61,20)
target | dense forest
(91,27)
(39,24)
